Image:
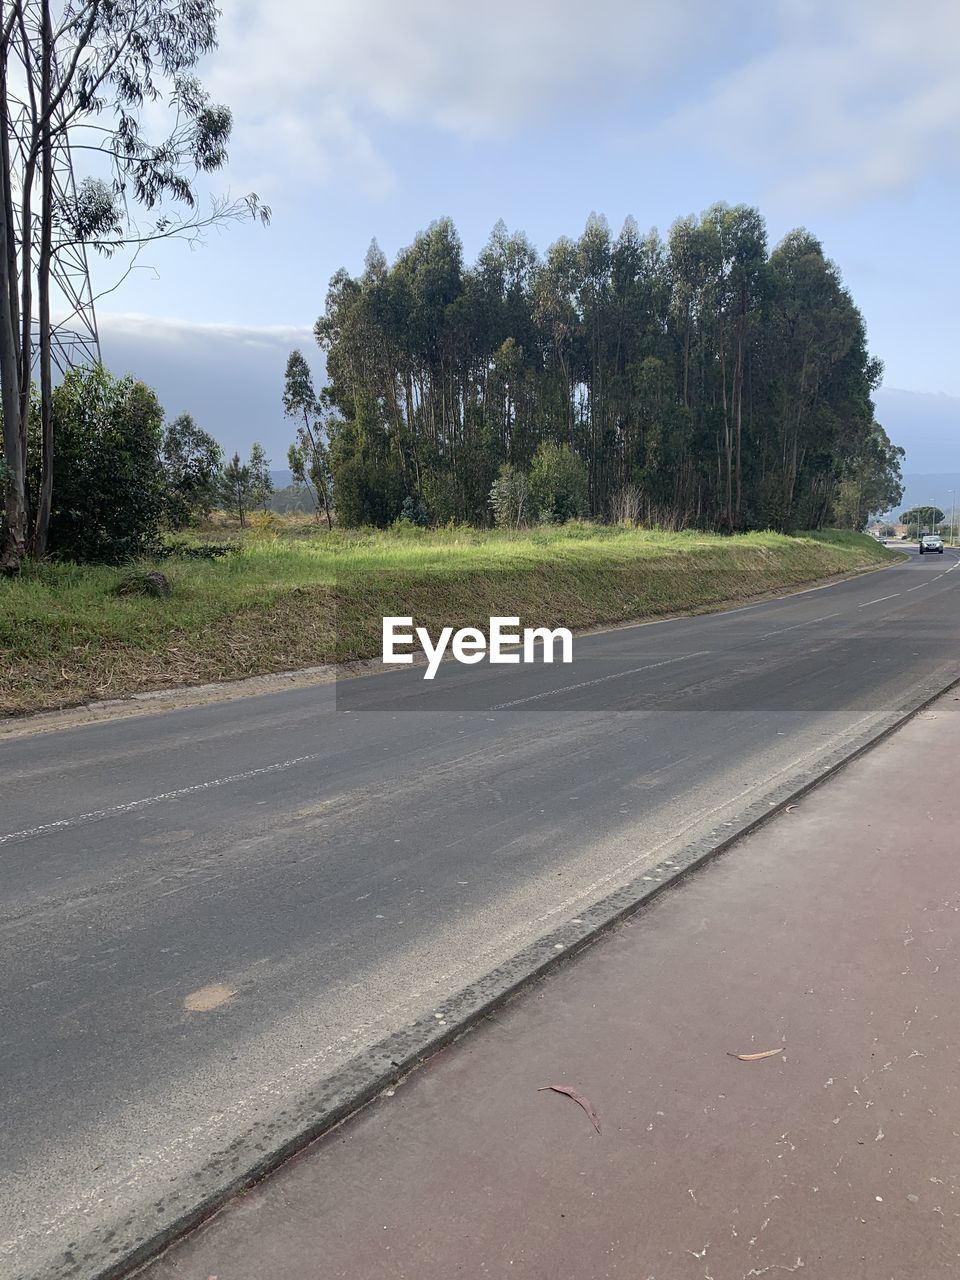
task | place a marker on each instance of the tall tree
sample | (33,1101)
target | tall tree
(88,76)
(261,482)
(308,456)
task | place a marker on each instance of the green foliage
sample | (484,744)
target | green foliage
(235,489)
(922,517)
(192,460)
(261,484)
(558,484)
(728,386)
(510,498)
(413,512)
(181,549)
(871,480)
(369,492)
(308,456)
(369,483)
(143,582)
(108,479)
(242,486)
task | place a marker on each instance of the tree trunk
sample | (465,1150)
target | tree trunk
(15,498)
(45,496)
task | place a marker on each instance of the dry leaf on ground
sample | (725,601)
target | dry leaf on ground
(755,1057)
(578,1098)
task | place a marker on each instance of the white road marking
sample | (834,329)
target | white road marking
(946,571)
(879,600)
(955,564)
(796,625)
(96,814)
(585,684)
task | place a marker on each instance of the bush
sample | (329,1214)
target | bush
(367,492)
(559,485)
(510,498)
(265,523)
(108,484)
(414,512)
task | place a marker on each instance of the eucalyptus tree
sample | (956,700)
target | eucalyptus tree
(722,386)
(89,79)
(817,380)
(308,456)
(261,481)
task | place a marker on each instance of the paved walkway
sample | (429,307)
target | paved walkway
(834,932)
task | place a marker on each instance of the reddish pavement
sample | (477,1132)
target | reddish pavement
(834,932)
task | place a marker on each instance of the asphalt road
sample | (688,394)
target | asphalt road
(203,912)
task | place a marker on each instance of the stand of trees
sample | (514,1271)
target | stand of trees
(113,82)
(700,380)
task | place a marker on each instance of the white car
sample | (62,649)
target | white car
(931,542)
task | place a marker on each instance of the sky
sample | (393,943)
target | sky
(362,119)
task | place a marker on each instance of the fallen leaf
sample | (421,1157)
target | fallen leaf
(578,1098)
(790,808)
(755,1057)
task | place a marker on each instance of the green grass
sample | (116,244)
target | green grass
(294,596)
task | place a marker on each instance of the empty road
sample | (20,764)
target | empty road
(205,912)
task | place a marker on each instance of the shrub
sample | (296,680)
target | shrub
(559,486)
(108,484)
(414,512)
(510,498)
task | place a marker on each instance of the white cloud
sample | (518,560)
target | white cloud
(135,324)
(853,100)
(309,82)
(832,99)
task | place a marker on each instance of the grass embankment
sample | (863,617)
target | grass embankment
(292,598)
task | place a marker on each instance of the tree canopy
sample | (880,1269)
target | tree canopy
(724,384)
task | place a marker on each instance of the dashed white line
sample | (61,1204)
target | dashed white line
(116,809)
(797,625)
(585,684)
(879,600)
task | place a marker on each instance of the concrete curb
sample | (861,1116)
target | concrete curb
(130,1244)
